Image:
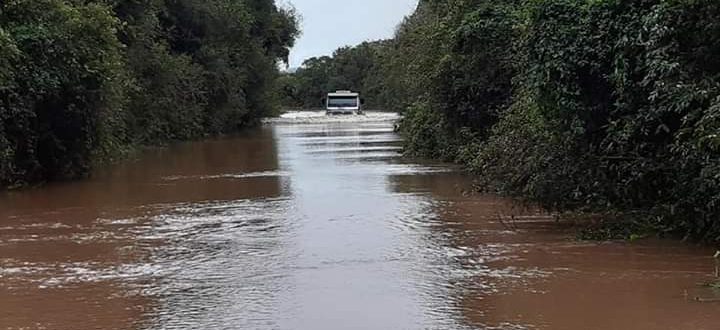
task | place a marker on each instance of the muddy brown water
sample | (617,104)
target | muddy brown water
(316,223)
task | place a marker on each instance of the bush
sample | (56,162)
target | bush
(60,80)
(597,106)
(82,81)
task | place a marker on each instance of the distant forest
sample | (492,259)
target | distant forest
(601,106)
(358,68)
(81,82)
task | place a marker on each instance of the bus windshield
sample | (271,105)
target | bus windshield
(343,102)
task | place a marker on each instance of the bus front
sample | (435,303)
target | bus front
(343,102)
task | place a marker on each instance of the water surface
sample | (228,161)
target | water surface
(317,223)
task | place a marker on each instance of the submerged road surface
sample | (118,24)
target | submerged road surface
(316,223)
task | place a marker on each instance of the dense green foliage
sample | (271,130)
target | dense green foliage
(452,69)
(82,80)
(61,72)
(599,105)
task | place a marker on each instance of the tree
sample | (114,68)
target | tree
(81,81)
(62,81)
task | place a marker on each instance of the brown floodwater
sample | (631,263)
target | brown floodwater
(318,223)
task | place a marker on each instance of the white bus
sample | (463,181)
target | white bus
(343,102)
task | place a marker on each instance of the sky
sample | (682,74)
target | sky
(330,24)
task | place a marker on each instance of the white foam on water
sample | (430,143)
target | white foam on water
(353,149)
(264,174)
(320,117)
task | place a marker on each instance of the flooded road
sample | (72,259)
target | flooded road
(318,223)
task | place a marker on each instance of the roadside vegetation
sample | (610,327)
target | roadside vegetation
(599,106)
(83,81)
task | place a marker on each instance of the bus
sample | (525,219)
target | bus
(343,102)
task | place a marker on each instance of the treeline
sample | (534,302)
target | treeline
(358,68)
(600,106)
(81,81)
(596,105)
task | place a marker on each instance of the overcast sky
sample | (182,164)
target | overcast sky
(330,24)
